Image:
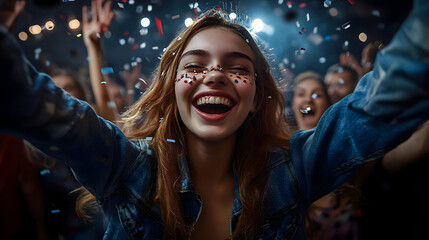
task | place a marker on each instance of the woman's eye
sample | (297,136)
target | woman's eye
(241,69)
(193,67)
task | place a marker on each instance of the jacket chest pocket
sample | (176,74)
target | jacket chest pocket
(136,223)
(282,225)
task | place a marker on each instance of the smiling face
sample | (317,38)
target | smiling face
(215,84)
(309,103)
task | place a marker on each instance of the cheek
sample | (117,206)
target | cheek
(296,101)
(244,84)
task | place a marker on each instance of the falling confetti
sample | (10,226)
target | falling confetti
(351,1)
(346,25)
(171,140)
(327,3)
(159,25)
(305,111)
(302,5)
(45,171)
(107,70)
(314,95)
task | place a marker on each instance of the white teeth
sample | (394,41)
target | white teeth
(214,100)
(211,100)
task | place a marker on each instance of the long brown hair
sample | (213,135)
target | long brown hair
(156,115)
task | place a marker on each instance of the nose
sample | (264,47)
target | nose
(308,98)
(215,77)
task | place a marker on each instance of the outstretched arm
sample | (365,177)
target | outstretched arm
(408,152)
(92,33)
(65,128)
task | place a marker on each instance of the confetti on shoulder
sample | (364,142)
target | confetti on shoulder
(171,140)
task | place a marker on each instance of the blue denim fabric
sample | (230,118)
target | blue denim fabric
(386,107)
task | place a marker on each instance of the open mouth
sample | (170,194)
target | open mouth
(213,104)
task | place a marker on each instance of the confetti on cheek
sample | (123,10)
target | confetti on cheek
(159,25)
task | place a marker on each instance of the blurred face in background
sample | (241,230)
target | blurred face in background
(309,103)
(69,85)
(339,85)
(116,94)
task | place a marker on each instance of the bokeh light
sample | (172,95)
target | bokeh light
(49,25)
(145,22)
(23,36)
(74,24)
(35,29)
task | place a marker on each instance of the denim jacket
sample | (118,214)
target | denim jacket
(386,107)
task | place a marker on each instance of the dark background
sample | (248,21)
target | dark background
(62,47)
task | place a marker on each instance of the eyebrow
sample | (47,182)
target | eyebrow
(203,53)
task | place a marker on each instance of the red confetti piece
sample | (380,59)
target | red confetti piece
(288,3)
(159,25)
(62,17)
(303,29)
(124,1)
(126,33)
(302,5)
(218,9)
(351,1)
(104,28)
(300,33)
(135,46)
(302,48)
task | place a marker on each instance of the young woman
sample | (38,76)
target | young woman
(208,156)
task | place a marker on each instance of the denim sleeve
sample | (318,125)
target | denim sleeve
(34,108)
(388,104)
